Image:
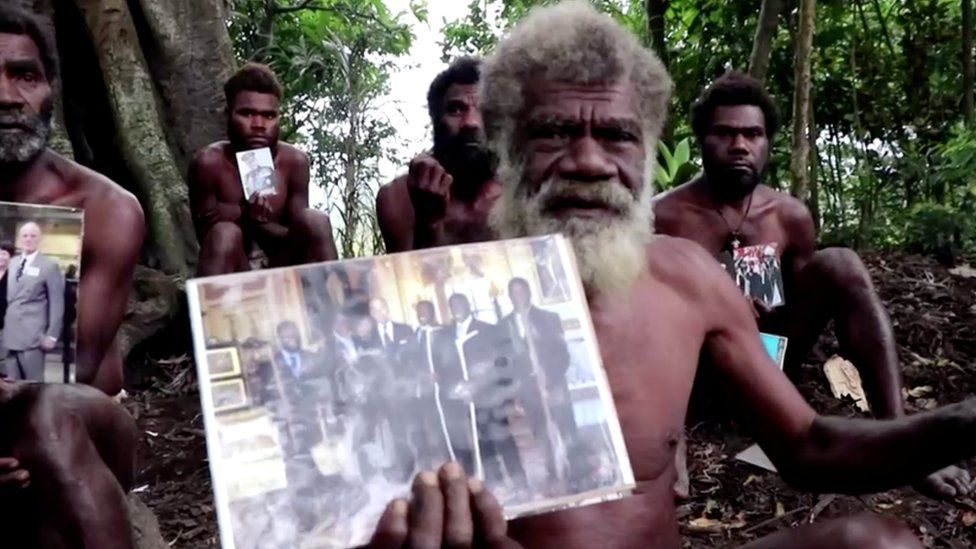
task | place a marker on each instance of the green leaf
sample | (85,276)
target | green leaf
(682,153)
(419,10)
(661,177)
(668,158)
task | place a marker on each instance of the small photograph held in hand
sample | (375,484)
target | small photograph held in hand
(40,266)
(757,272)
(257,171)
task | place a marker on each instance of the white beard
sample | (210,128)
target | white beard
(611,253)
(21,146)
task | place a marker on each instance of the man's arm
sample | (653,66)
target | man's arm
(54,281)
(395,216)
(204,206)
(114,227)
(801,237)
(820,453)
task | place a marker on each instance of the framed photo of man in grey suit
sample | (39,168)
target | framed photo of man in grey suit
(39,282)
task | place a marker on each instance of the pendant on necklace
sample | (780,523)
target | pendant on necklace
(735,240)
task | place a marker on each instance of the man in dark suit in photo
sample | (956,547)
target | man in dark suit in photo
(541,360)
(35,307)
(387,335)
(295,387)
(479,352)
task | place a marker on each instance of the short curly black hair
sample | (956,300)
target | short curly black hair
(733,88)
(17,21)
(256,77)
(464,70)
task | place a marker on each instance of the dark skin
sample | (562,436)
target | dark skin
(89,458)
(227,222)
(418,210)
(820,286)
(79,446)
(651,336)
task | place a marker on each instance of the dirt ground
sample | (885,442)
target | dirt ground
(934,314)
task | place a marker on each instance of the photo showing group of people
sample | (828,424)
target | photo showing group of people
(757,272)
(40,252)
(379,368)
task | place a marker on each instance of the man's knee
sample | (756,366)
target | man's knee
(224,239)
(871,531)
(310,223)
(842,267)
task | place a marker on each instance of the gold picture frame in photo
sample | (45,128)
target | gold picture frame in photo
(228,395)
(223,363)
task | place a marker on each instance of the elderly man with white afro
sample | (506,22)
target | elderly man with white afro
(573,107)
(573,44)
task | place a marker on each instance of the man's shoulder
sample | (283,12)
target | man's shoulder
(680,262)
(212,154)
(394,190)
(98,193)
(788,207)
(291,156)
(45,261)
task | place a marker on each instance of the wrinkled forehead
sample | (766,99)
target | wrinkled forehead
(545,99)
(464,93)
(18,48)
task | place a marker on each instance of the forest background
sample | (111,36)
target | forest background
(876,97)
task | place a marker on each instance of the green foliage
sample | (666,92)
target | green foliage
(887,77)
(939,230)
(674,168)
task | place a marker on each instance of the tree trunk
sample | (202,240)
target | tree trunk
(189,55)
(813,202)
(967,61)
(799,163)
(762,44)
(140,136)
(656,30)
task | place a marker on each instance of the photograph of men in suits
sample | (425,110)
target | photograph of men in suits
(35,307)
(479,355)
(541,358)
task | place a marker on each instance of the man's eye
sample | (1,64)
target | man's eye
(621,136)
(547,132)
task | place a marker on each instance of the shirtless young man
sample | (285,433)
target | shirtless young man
(445,197)
(727,206)
(69,449)
(229,223)
(574,116)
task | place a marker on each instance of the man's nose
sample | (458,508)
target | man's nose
(738,144)
(586,161)
(10,97)
(472,119)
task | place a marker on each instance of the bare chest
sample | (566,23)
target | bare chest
(717,233)
(650,346)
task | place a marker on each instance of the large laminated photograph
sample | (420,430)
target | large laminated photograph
(327,387)
(40,268)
